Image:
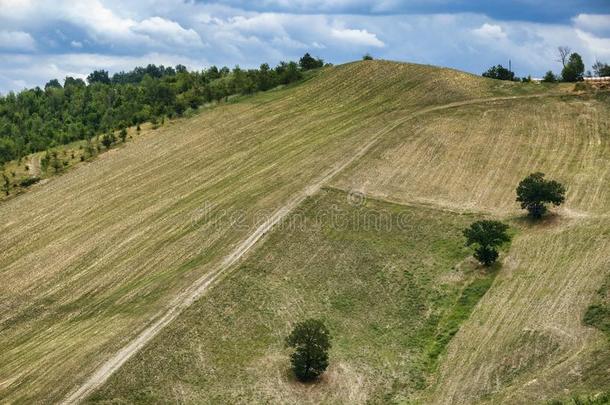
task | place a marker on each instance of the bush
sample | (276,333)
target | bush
(311,342)
(534,192)
(108,140)
(28,181)
(367,57)
(549,77)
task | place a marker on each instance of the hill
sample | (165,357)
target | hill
(93,257)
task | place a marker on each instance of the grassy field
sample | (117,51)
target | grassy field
(526,340)
(389,281)
(91,257)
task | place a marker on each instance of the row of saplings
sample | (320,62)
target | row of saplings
(311,340)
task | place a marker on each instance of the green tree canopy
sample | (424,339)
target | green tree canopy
(307,62)
(486,236)
(574,69)
(499,72)
(534,193)
(36,120)
(98,76)
(310,340)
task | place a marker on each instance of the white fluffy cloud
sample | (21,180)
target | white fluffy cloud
(16,40)
(356,37)
(599,23)
(102,24)
(160,29)
(490,32)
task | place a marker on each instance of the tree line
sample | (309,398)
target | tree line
(41,118)
(573,69)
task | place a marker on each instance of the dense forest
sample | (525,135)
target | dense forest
(38,119)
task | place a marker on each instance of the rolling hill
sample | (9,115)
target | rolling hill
(100,262)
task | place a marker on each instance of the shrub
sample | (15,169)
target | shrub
(6,184)
(28,181)
(311,342)
(108,140)
(549,77)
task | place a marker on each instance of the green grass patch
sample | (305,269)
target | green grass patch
(384,277)
(458,313)
(598,313)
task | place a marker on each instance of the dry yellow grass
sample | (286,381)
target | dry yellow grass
(89,258)
(472,157)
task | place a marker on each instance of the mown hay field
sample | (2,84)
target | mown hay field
(525,341)
(472,157)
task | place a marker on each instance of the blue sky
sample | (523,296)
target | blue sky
(41,40)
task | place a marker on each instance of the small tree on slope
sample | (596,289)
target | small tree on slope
(487,236)
(534,192)
(311,342)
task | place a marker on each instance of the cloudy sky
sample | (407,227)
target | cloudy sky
(45,39)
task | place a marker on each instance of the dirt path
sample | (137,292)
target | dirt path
(187,297)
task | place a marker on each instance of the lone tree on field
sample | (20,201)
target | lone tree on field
(487,236)
(534,192)
(311,342)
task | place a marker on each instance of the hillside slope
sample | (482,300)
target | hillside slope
(524,342)
(379,287)
(88,259)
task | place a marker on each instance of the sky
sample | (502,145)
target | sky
(45,39)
